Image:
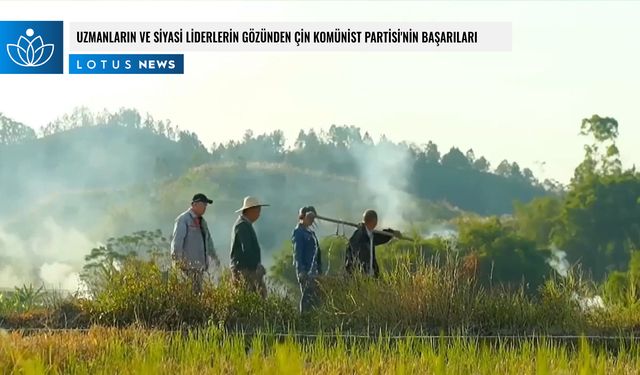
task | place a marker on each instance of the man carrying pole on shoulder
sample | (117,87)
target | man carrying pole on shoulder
(361,250)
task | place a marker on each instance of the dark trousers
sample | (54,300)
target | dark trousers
(196,277)
(252,280)
(309,293)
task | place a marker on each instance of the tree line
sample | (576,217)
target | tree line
(462,179)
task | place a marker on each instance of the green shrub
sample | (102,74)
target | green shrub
(141,293)
(443,296)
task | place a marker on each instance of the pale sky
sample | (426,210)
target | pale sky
(570,60)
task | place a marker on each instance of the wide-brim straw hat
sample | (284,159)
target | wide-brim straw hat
(250,202)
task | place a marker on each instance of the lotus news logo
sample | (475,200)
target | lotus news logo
(31,47)
(30,52)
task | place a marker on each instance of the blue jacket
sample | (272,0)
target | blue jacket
(306,251)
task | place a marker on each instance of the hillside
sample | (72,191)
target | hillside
(110,212)
(83,158)
(85,150)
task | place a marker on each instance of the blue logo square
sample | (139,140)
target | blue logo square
(31,47)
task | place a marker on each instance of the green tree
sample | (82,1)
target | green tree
(503,169)
(481,164)
(599,222)
(103,261)
(624,287)
(455,159)
(536,219)
(528,175)
(503,255)
(602,156)
(13,132)
(471,156)
(432,155)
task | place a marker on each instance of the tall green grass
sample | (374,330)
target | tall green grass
(440,296)
(211,350)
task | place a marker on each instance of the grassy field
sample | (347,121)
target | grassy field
(429,299)
(211,350)
(141,320)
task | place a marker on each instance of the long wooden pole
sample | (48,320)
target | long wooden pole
(337,221)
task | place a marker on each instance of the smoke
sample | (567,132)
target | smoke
(558,261)
(589,303)
(66,191)
(60,276)
(384,173)
(50,255)
(441,231)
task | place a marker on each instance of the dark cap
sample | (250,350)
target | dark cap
(201,198)
(304,210)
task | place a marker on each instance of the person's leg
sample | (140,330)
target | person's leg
(248,280)
(257,283)
(312,293)
(197,281)
(192,276)
(189,275)
(237,278)
(262,287)
(303,295)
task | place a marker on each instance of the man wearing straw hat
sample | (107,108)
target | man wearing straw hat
(245,250)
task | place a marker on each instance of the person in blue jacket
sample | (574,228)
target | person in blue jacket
(306,257)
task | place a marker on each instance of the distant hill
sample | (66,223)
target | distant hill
(83,158)
(470,189)
(85,151)
(102,213)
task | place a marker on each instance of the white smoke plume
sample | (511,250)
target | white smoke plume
(52,256)
(384,173)
(558,261)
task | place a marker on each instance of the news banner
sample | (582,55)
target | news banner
(159,48)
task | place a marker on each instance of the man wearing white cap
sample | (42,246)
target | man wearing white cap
(245,249)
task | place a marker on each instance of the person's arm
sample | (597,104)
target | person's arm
(381,239)
(211,249)
(177,239)
(298,251)
(319,261)
(235,257)
(317,253)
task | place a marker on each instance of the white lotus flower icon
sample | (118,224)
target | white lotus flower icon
(30,52)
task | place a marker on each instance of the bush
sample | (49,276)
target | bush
(426,288)
(411,255)
(442,296)
(141,293)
